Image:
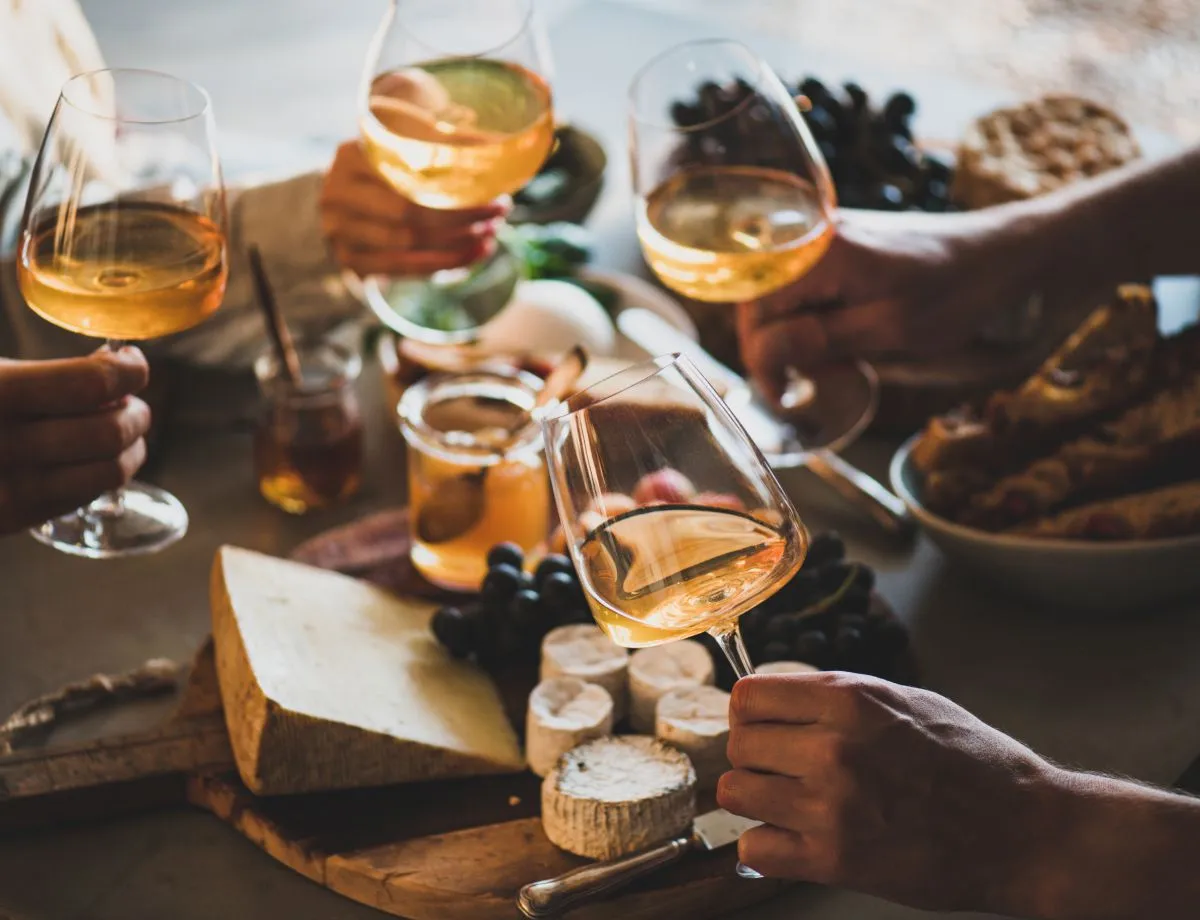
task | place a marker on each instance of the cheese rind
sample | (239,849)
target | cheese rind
(615,796)
(661,669)
(584,651)
(696,721)
(563,713)
(786,667)
(330,683)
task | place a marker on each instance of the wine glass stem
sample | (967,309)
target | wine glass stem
(730,640)
(107,506)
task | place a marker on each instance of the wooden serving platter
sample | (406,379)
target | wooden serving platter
(455,850)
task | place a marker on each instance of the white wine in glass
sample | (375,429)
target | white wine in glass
(713,534)
(124,239)
(729,230)
(455,111)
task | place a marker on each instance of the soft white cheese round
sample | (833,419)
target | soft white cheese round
(584,651)
(660,669)
(786,667)
(549,317)
(563,713)
(614,796)
(696,721)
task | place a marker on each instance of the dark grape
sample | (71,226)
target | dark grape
(811,647)
(864,577)
(526,610)
(453,629)
(901,158)
(686,115)
(857,96)
(891,636)
(936,196)
(846,643)
(778,629)
(816,91)
(899,108)
(855,602)
(551,565)
(712,100)
(823,125)
(753,620)
(560,591)
(833,576)
(825,548)
(576,616)
(506,554)
(935,167)
(888,197)
(852,621)
(775,651)
(500,584)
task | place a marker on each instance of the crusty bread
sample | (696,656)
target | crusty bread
(1167,512)
(1108,364)
(1155,440)
(1023,151)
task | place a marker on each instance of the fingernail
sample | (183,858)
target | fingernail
(130,354)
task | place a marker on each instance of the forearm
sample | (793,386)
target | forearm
(1129,225)
(1107,849)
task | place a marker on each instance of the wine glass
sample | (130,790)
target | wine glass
(734,199)
(455,110)
(674,520)
(124,239)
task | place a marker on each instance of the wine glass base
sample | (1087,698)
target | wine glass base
(149,520)
(744,871)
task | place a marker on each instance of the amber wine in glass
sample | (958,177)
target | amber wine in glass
(458,132)
(733,229)
(123,239)
(712,535)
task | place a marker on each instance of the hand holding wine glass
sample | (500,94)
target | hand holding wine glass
(717,225)
(123,239)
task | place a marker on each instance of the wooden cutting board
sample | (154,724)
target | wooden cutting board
(457,850)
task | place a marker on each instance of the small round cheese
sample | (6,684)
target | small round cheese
(563,713)
(614,796)
(660,669)
(547,317)
(786,667)
(696,721)
(584,651)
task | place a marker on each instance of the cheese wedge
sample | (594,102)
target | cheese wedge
(563,713)
(696,721)
(660,669)
(615,796)
(330,683)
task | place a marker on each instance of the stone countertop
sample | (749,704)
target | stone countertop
(1122,696)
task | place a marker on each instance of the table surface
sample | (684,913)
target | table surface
(1115,696)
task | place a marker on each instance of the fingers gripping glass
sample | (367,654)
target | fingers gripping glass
(123,239)
(455,111)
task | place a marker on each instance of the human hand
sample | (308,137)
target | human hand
(69,431)
(883,789)
(375,230)
(890,283)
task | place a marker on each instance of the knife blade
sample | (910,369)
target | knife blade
(551,897)
(775,438)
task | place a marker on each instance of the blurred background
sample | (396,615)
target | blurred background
(287,69)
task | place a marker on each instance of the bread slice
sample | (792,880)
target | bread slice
(1153,442)
(1103,367)
(1172,511)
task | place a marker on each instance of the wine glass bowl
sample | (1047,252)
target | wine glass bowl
(124,238)
(455,107)
(673,518)
(718,226)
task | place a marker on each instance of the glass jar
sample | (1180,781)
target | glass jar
(476,476)
(308,444)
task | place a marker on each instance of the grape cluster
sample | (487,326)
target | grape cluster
(514,609)
(870,151)
(826,616)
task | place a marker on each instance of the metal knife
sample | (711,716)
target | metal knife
(553,896)
(653,334)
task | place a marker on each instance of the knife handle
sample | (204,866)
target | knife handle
(862,491)
(553,896)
